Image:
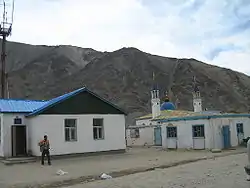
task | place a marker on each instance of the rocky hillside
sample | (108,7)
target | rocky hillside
(123,76)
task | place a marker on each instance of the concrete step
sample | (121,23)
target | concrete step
(18,160)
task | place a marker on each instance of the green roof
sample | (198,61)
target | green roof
(178,115)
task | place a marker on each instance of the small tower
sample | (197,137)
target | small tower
(197,103)
(155,101)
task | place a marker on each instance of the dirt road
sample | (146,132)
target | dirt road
(225,172)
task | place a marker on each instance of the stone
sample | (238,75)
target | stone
(247,169)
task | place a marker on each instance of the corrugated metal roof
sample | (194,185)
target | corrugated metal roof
(56,100)
(20,106)
(62,98)
(34,107)
(212,116)
(170,113)
(179,115)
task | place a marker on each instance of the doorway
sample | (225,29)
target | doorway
(240,132)
(172,137)
(18,135)
(198,137)
(226,136)
(157,136)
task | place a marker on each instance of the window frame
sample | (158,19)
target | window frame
(98,128)
(174,133)
(201,131)
(135,133)
(70,129)
(18,121)
(241,126)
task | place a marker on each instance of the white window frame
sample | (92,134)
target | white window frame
(198,131)
(171,132)
(99,127)
(71,129)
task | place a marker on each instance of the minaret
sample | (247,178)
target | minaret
(155,100)
(197,103)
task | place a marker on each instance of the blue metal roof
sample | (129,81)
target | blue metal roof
(19,106)
(56,100)
(33,107)
(64,97)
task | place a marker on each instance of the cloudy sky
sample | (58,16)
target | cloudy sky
(214,31)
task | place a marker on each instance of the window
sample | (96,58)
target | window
(198,131)
(135,133)
(70,130)
(240,128)
(171,132)
(17,121)
(98,129)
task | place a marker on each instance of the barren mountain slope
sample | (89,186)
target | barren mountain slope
(123,76)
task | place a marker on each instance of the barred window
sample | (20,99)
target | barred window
(198,131)
(171,132)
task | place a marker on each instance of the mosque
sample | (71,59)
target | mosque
(171,128)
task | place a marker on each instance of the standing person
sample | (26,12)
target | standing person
(44,148)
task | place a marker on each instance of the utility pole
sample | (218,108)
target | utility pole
(5,31)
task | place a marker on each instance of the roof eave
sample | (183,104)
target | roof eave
(84,89)
(202,117)
(44,107)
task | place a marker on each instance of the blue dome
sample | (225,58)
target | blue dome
(167,106)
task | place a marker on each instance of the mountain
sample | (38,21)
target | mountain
(124,77)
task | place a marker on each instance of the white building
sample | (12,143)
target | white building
(77,122)
(186,129)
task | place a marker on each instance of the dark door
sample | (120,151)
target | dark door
(19,140)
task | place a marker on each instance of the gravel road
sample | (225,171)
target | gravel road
(225,172)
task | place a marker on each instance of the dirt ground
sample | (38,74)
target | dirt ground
(226,172)
(34,173)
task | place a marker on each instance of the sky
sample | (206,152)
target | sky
(213,31)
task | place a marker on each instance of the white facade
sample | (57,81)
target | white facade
(146,136)
(7,121)
(53,126)
(213,137)
(144,122)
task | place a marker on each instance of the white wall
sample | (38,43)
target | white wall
(53,126)
(1,137)
(185,134)
(7,122)
(213,132)
(144,122)
(146,137)
(217,126)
